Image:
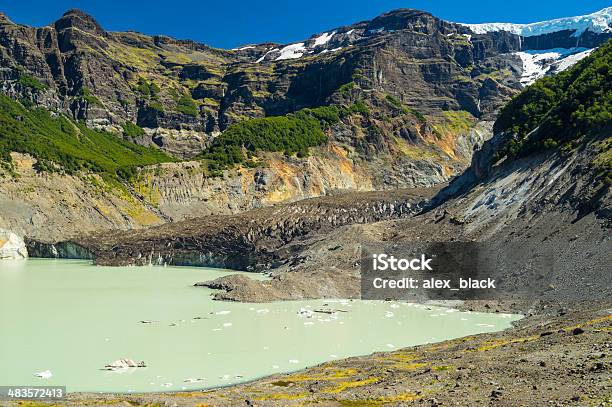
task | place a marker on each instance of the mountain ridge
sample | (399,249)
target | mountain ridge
(414,96)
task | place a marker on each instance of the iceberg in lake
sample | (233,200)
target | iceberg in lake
(44,375)
(12,247)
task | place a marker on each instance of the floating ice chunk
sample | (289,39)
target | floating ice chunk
(167,385)
(389,314)
(222,312)
(192,380)
(44,375)
(395,306)
(275,367)
(263,311)
(227,324)
(294,361)
(123,364)
(308,323)
(333,356)
(389,345)
(304,312)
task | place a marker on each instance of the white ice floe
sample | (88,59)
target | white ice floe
(308,323)
(44,375)
(227,324)
(598,22)
(167,385)
(222,312)
(389,314)
(292,51)
(192,380)
(323,39)
(305,312)
(294,361)
(263,311)
(123,365)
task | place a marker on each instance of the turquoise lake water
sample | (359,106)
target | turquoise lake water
(72,318)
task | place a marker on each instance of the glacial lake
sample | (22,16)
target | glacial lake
(72,318)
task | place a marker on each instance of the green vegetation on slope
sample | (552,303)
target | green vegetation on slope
(557,110)
(132,130)
(292,134)
(186,105)
(31,82)
(59,144)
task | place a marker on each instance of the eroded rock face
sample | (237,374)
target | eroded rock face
(12,247)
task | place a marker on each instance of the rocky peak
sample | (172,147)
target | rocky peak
(4,19)
(78,19)
(402,19)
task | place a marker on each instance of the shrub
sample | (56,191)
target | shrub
(31,82)
(186,105)
(87,95)
(132,130)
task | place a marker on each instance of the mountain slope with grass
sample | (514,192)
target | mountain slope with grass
(398,101)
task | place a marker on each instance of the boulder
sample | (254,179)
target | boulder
(12,247)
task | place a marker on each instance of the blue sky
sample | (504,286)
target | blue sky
(229,23)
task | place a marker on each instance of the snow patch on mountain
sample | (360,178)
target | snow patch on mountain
(597,22)
(243,48)
(570,60)
(266,54)
(292,51)
(323,39)
(538,63)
